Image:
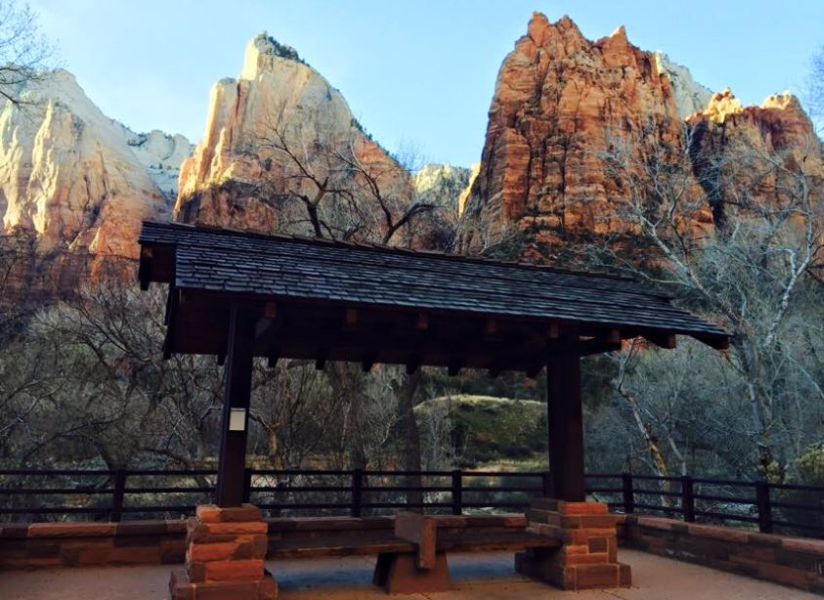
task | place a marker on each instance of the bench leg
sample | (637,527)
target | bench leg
(399,574)
(382,566)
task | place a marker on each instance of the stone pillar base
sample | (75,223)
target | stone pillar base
(588,557)
(226,550)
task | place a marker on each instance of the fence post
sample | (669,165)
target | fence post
(457,492)
(688,499)
(546,482)
(762,498)
(629,495)
(117,494)
(247,484)
(357,491)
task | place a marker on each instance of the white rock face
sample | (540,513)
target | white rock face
(161,154)
(690,96)
(277,94)
(442,185)
(67,176)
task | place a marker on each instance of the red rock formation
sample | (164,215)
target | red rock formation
(735,149)
(559,101)
(240,175)
(565,107)
(73,193)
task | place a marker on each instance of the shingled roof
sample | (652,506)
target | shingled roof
(293,269)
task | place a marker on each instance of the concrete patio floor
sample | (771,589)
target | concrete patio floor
(478,577)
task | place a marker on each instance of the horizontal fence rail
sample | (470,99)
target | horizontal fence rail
(115,495)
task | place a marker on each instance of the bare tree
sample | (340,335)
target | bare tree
(344,187)
(23,49)
(736,232)
(342,194)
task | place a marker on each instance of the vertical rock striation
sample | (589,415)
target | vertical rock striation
(559,102)
(755,155)
(566,109)
(72,192)
(238,176)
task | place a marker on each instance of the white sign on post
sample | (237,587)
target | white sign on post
(237,419)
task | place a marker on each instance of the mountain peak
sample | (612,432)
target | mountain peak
(263,51)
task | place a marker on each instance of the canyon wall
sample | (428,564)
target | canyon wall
(278,139)
(442,185)
(558,100)
(282,152)
(759,156)
(576,126)
(73,193)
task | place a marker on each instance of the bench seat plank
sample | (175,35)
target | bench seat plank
(480,541)
(339,545)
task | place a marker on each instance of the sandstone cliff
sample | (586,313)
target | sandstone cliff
(690,96)
(72,191)
(442,185)
(755,155)
(161,154)
(576,127)
(280,143)
(560,101)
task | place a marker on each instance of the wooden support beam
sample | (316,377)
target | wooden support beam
(534,370)
(172,304)
(491,327)
(368,361)
(270,310)
(553,332)
(144,270)
(662,340)
(566,429)
(716,342)
(236,397)
(413,364)
(422,323)
(350,318)
(610,341)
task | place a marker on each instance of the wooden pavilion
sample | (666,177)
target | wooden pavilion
(238,295)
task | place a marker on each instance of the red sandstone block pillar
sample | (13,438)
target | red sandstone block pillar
(226,550)
(588,557)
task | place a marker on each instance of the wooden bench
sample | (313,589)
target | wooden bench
(411,555)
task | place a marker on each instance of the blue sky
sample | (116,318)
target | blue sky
(418,74)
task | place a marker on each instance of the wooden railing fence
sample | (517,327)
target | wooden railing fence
(57,494)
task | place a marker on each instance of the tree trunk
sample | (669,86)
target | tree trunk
(411,441)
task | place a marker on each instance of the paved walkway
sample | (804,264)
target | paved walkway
(478,577)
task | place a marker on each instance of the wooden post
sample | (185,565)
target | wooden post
(688,499)
(629,493)
(762,496)
(457,492)
(357,492)
(247,484)
(118,493)
(546,484)
(566,428)
(232,463)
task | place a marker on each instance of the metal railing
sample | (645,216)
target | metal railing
(113,495)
